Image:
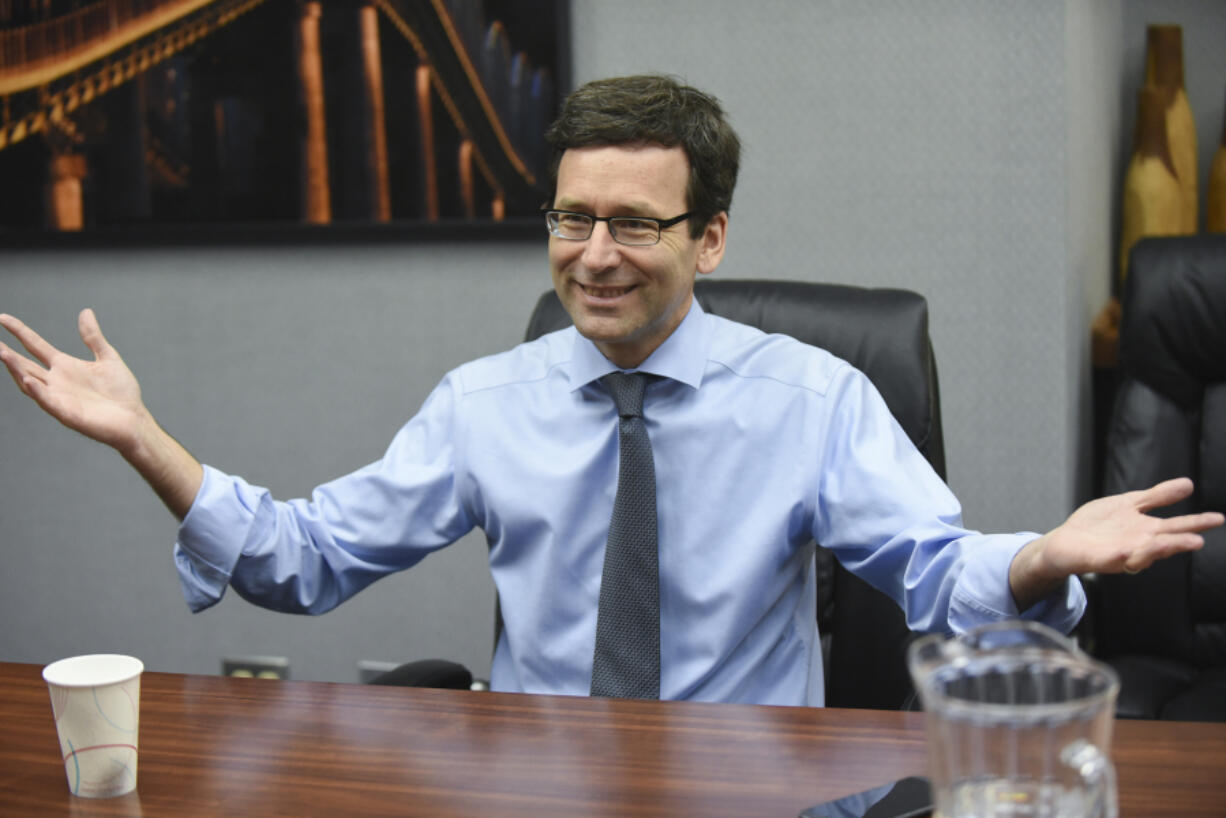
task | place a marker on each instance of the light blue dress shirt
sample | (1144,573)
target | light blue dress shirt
(761,445)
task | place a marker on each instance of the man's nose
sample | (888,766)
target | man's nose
(600,251)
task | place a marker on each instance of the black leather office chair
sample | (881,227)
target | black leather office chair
(1164,629)
(884,333)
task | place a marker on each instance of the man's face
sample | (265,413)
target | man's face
(627,300)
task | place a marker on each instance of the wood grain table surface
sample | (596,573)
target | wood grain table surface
(211,745)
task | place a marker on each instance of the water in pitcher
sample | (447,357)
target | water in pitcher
(1009,798)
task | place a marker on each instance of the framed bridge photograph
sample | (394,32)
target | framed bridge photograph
(120,115)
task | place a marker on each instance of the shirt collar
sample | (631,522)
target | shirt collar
(682,357)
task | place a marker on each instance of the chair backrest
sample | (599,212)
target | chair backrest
(1169,420)
(883,333)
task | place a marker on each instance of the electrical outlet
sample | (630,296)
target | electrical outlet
(368,669)
(256,667)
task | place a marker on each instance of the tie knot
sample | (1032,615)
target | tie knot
(627,390)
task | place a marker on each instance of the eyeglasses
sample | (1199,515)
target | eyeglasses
(636,231)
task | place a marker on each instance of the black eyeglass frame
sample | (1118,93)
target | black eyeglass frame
(661,224)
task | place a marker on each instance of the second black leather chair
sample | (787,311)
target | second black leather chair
(1164,629)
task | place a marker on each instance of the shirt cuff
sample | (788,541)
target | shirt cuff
(982,594)
(206,549)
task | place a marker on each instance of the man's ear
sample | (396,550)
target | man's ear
(712,242)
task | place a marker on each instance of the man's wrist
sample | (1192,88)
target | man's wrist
(1031,579)
(142,446)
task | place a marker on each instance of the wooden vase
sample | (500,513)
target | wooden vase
(1153,196)
(1215,217)
(1164,67)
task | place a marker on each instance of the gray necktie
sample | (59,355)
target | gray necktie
(627,658)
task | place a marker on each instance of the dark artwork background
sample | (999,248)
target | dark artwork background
(213,135)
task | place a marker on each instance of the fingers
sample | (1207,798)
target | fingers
(1193,522)
(1164,546)
(1165,493)
(36,389)
(91,334)
(22,369)
(30,339)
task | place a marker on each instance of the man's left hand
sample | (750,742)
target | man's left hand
(1107,536)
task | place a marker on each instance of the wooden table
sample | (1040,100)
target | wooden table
(212,746)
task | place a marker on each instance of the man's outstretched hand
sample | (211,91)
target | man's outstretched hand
(101,399)
(1108,536)
(98,398)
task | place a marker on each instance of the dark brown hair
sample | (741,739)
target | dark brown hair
(658,109)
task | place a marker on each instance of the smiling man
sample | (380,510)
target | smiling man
(628,297)
(632,557)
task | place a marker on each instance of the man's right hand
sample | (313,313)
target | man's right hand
(101,399)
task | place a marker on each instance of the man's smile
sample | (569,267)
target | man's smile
(605,293)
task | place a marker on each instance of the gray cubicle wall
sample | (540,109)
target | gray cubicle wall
(287,365)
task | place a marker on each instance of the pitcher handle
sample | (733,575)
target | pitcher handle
(1098,774)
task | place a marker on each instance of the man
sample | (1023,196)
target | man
(527,446)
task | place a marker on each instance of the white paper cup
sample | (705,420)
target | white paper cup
(96,702)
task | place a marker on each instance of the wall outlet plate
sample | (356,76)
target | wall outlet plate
(256,667)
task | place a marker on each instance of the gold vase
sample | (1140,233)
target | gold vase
(1153,197)
(1164,67)
(1215,216)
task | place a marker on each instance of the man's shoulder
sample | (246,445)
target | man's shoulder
(748,352)
(529,362)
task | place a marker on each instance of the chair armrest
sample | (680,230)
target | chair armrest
(427,673)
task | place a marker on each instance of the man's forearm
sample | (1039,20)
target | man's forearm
(169,469)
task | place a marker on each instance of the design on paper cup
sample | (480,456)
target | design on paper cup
(96,703)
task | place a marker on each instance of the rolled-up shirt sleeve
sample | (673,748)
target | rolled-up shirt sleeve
(982,593)
(309,555)
(206,549)
(891,520)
